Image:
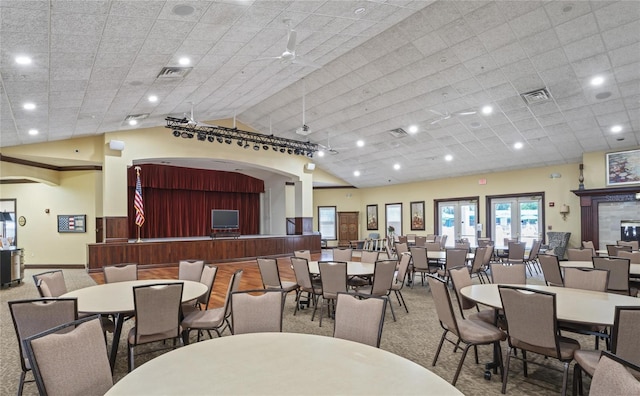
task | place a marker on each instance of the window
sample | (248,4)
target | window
(457,219)
(393,218)
(517,217)
(327,222)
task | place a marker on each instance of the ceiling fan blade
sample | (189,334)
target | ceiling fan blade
(268,58)
(435,121)
(300,61)
(291,41)
(463,113)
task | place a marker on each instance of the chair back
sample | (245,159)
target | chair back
(190,270)
(120,272)
(508,274)
(50,283)
(462,245)
(369,256)
(86,369)
(443,241)
(633,244)
(403,239)
(234,285)
(478,259)
(303,253)
(613,376)
(589,245)
(401,248)
(432,246)
(420,241)
(419,257)
(535,250)
(482,242)
(157,310)
(579,254)
(531,315)
(613,250)
(359,318)
(411,239)
(624,336)
(259,313)
(403,268)
(431,237)
(333,275)
(383,274)
(269,273)
(551,269)
(488,255)
(207,278)
(341,254)
(301,271)
(460,278)
(618,272)
(455,258)
(516,252)
(442,300)
(586,278)
(34,316)
(634,257)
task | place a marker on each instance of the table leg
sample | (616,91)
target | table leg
(116,340)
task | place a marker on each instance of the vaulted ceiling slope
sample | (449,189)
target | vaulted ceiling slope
(386,65)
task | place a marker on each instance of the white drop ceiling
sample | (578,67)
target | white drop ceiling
(391,66)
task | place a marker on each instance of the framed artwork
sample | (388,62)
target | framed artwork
(417,216)
(623,168)
(72,223)
(372,217)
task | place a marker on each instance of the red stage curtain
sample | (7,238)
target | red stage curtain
(178,201)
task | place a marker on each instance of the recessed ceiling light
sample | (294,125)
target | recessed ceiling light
(359,10)
(184,61)
(448,157)
(603,95)
(153,98)
(356,173)
(517,145)
(396,166)
(360,143)
(487,109)
(616,128)
(413,129)
(320,153)
(597,80)
(133,122)
(33,132)
(29,106)
(183,10)
(23,60)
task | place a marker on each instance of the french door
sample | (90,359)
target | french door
(457,220)
(517,218)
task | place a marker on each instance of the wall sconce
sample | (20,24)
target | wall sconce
(564,211)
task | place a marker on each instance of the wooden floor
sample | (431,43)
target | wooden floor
(250,278)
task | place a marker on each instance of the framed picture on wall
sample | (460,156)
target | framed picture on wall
(623,168)
(417,216)
(72,223)
(372,217)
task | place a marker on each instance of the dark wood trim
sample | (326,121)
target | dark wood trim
(589,206)
(487,207)
(54,266)
(116,228)
(437,201)
(4,158)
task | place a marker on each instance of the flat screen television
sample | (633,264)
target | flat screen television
(224,219)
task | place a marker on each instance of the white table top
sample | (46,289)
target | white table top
(634,269)
(572,305)
(112,298)
(280,364)
(442,255)
(354,268)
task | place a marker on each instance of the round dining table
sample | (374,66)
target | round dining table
(572,305)
(280,364)
(354,268)
(117,299)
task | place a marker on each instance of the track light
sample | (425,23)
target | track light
(202,137)
(275,148)
(227,141)
(265,147)
(289,151)
(211,138)
(282,150)
(240,143)
(176,133)
(220,140)
(256,147)
(246,145)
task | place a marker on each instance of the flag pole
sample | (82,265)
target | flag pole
(139,224)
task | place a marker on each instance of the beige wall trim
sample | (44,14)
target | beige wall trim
(4,158)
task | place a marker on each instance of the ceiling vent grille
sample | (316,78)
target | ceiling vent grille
(136,117)
(537,96)
(398,133)
(174,72)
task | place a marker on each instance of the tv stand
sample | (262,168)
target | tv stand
(225,233)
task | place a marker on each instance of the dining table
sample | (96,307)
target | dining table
(634,269)
(280,364)
(354,268)
(117,299)
(572,305)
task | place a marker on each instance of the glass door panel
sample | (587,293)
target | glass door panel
(457,220)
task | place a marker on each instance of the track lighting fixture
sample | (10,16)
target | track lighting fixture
(265,147)
(256,147)
(211,138)
(202,137)
(220,140)
(227,141)
(240,143)
(176,133)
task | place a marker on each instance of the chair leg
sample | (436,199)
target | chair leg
(524,363)
(505,375)
(298,293)
(21,385)
(577,379)
(475,351)
(464,355)
(322,310)
(391,306)
(131,364)
(399,293)
(435,358)
(565,378)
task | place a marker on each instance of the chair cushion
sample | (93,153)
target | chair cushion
(204,319)
(151,337)
(486,315)
(588,360)
(567,347)
(477,332)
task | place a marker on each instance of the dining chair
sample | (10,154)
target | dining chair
(370,257)
(342,254)
(391,251)
(579,254)
(303,253)
(307,284)
(460,278)
(462,245)
(217,319)
(586,278)
(333,275)
(551,269)
(190,270)
(401,248)
(612,250)
(257,311)
(207,278)
(453,258)
(400,278)
(70,359)
(359,318)
(532,319)
(403,239)
(516,253)
(419,264)
(482,242)
(589,245)
(468,332)
(625,343)
(270,275)
(50,283)
(508,274)
(443,241)
(157,313)
(120,272)
(618,273)
(420,241)
(34,316)
(411,239)
(477,265)
(383,277)
(634,244)
(531,259)
(613,376)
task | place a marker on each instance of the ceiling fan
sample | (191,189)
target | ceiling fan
(446,115)
(289,55)
(191,121)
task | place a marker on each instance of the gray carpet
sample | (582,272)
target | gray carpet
(415,336)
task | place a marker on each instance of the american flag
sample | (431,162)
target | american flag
(138,205)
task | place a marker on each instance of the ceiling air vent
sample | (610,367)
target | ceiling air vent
(398,133)
(174,72)
(537,96)
(136,117)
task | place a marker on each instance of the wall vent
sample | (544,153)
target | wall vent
(398,133)
(174,72)
(537,96)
